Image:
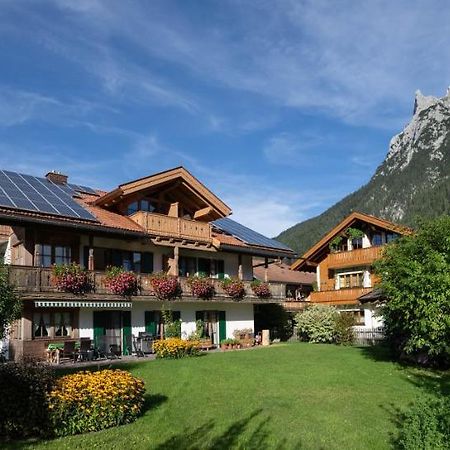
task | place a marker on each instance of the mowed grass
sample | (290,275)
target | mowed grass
(290,396)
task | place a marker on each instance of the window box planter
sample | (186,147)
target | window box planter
(71,278)
(165,287)
(261,290)
(201,287)
(234,288)
(121,282)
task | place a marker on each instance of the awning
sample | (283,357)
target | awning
(373,296)
(81,304)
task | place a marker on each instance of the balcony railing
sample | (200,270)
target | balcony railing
(38,282)
(175,227)
(358,257)
(339,296)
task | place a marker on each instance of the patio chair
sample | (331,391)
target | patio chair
(114,352)
(68,351)
(84,353)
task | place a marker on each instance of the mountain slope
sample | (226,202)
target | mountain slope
(413,181)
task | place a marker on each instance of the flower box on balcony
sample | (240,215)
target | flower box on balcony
(234,288)
(121,282)
(165,287)
(261,290)
(201,287)
(71,278)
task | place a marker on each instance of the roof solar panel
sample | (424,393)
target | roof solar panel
(41,195)
(247,235)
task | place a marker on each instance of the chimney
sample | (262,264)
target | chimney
(56,177)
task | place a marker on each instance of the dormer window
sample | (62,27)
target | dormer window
(357,243)
(140,205)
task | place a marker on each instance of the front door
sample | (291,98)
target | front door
(213,325)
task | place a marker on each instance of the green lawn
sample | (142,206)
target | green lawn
(287,396)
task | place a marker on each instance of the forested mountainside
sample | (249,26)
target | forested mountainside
(413,182)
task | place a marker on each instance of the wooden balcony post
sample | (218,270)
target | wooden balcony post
(240,271)
(266,269)
(91,254)
(176,258)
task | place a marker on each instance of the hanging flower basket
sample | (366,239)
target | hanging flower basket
(262,290)
(71,278)
(165,287)
(234,288)
(201,287)
(121,282)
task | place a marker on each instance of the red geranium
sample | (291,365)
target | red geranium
(121,282)
(201,287)
(262,290)
(71,278)
(165,286)
(234,288)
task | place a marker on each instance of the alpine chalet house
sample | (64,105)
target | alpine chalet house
(166,223)
(342,261)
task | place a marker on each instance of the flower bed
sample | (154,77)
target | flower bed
(175,348)
(234,288)
(71,278)
(201,287)
(92,401)
(165,287)
(230,344)
(262,290)
(121,282)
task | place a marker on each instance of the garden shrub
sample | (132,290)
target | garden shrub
(343,329)
(317,323)
(427,425)
(172,328)
(23,399)
(175,348)
(91,401)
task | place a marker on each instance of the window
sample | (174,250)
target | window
(213,268)
(139,262)
(350,280)
(52,324)
(141,205)
(358,315)
(377,240)
(357,243)
(53,254)
(391,237)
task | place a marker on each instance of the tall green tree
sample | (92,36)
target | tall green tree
(415,279)
(10,302)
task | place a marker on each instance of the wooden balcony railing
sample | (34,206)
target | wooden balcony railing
(340,296)
(37,281)
(162,225)
(358,257)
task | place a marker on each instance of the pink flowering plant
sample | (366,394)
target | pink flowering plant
(71,278)
(262,290)
(201,287)
(165,287)
(121,282)
(234,288)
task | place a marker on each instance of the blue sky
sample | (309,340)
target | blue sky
(280,107)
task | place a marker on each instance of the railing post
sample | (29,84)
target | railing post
(39,279)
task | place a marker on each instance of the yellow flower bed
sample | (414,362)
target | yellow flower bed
(175,348)
(91,401)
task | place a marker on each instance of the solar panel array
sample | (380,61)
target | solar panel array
(36,194)
(247,235)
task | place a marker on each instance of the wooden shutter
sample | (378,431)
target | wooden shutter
(99,327)
(222,326)
(150,322)
(126,333)
(147,262)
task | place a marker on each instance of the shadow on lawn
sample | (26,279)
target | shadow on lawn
(204,437)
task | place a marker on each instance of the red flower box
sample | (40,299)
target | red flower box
(262,290)
(234,288)
(165,287)
(201,287)
(121,282)
(71,278)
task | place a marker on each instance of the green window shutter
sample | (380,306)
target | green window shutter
(221,269)
(147,262)
(150,323)
(222,326)
(126,333)
(99,326)
(176,315)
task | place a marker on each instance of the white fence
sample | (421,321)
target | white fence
(368,336)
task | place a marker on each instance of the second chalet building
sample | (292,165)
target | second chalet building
(342,261)
(166,222)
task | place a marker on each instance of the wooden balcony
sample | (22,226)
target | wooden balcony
(173,227)
(340,296)
(36,283)
(354,258)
